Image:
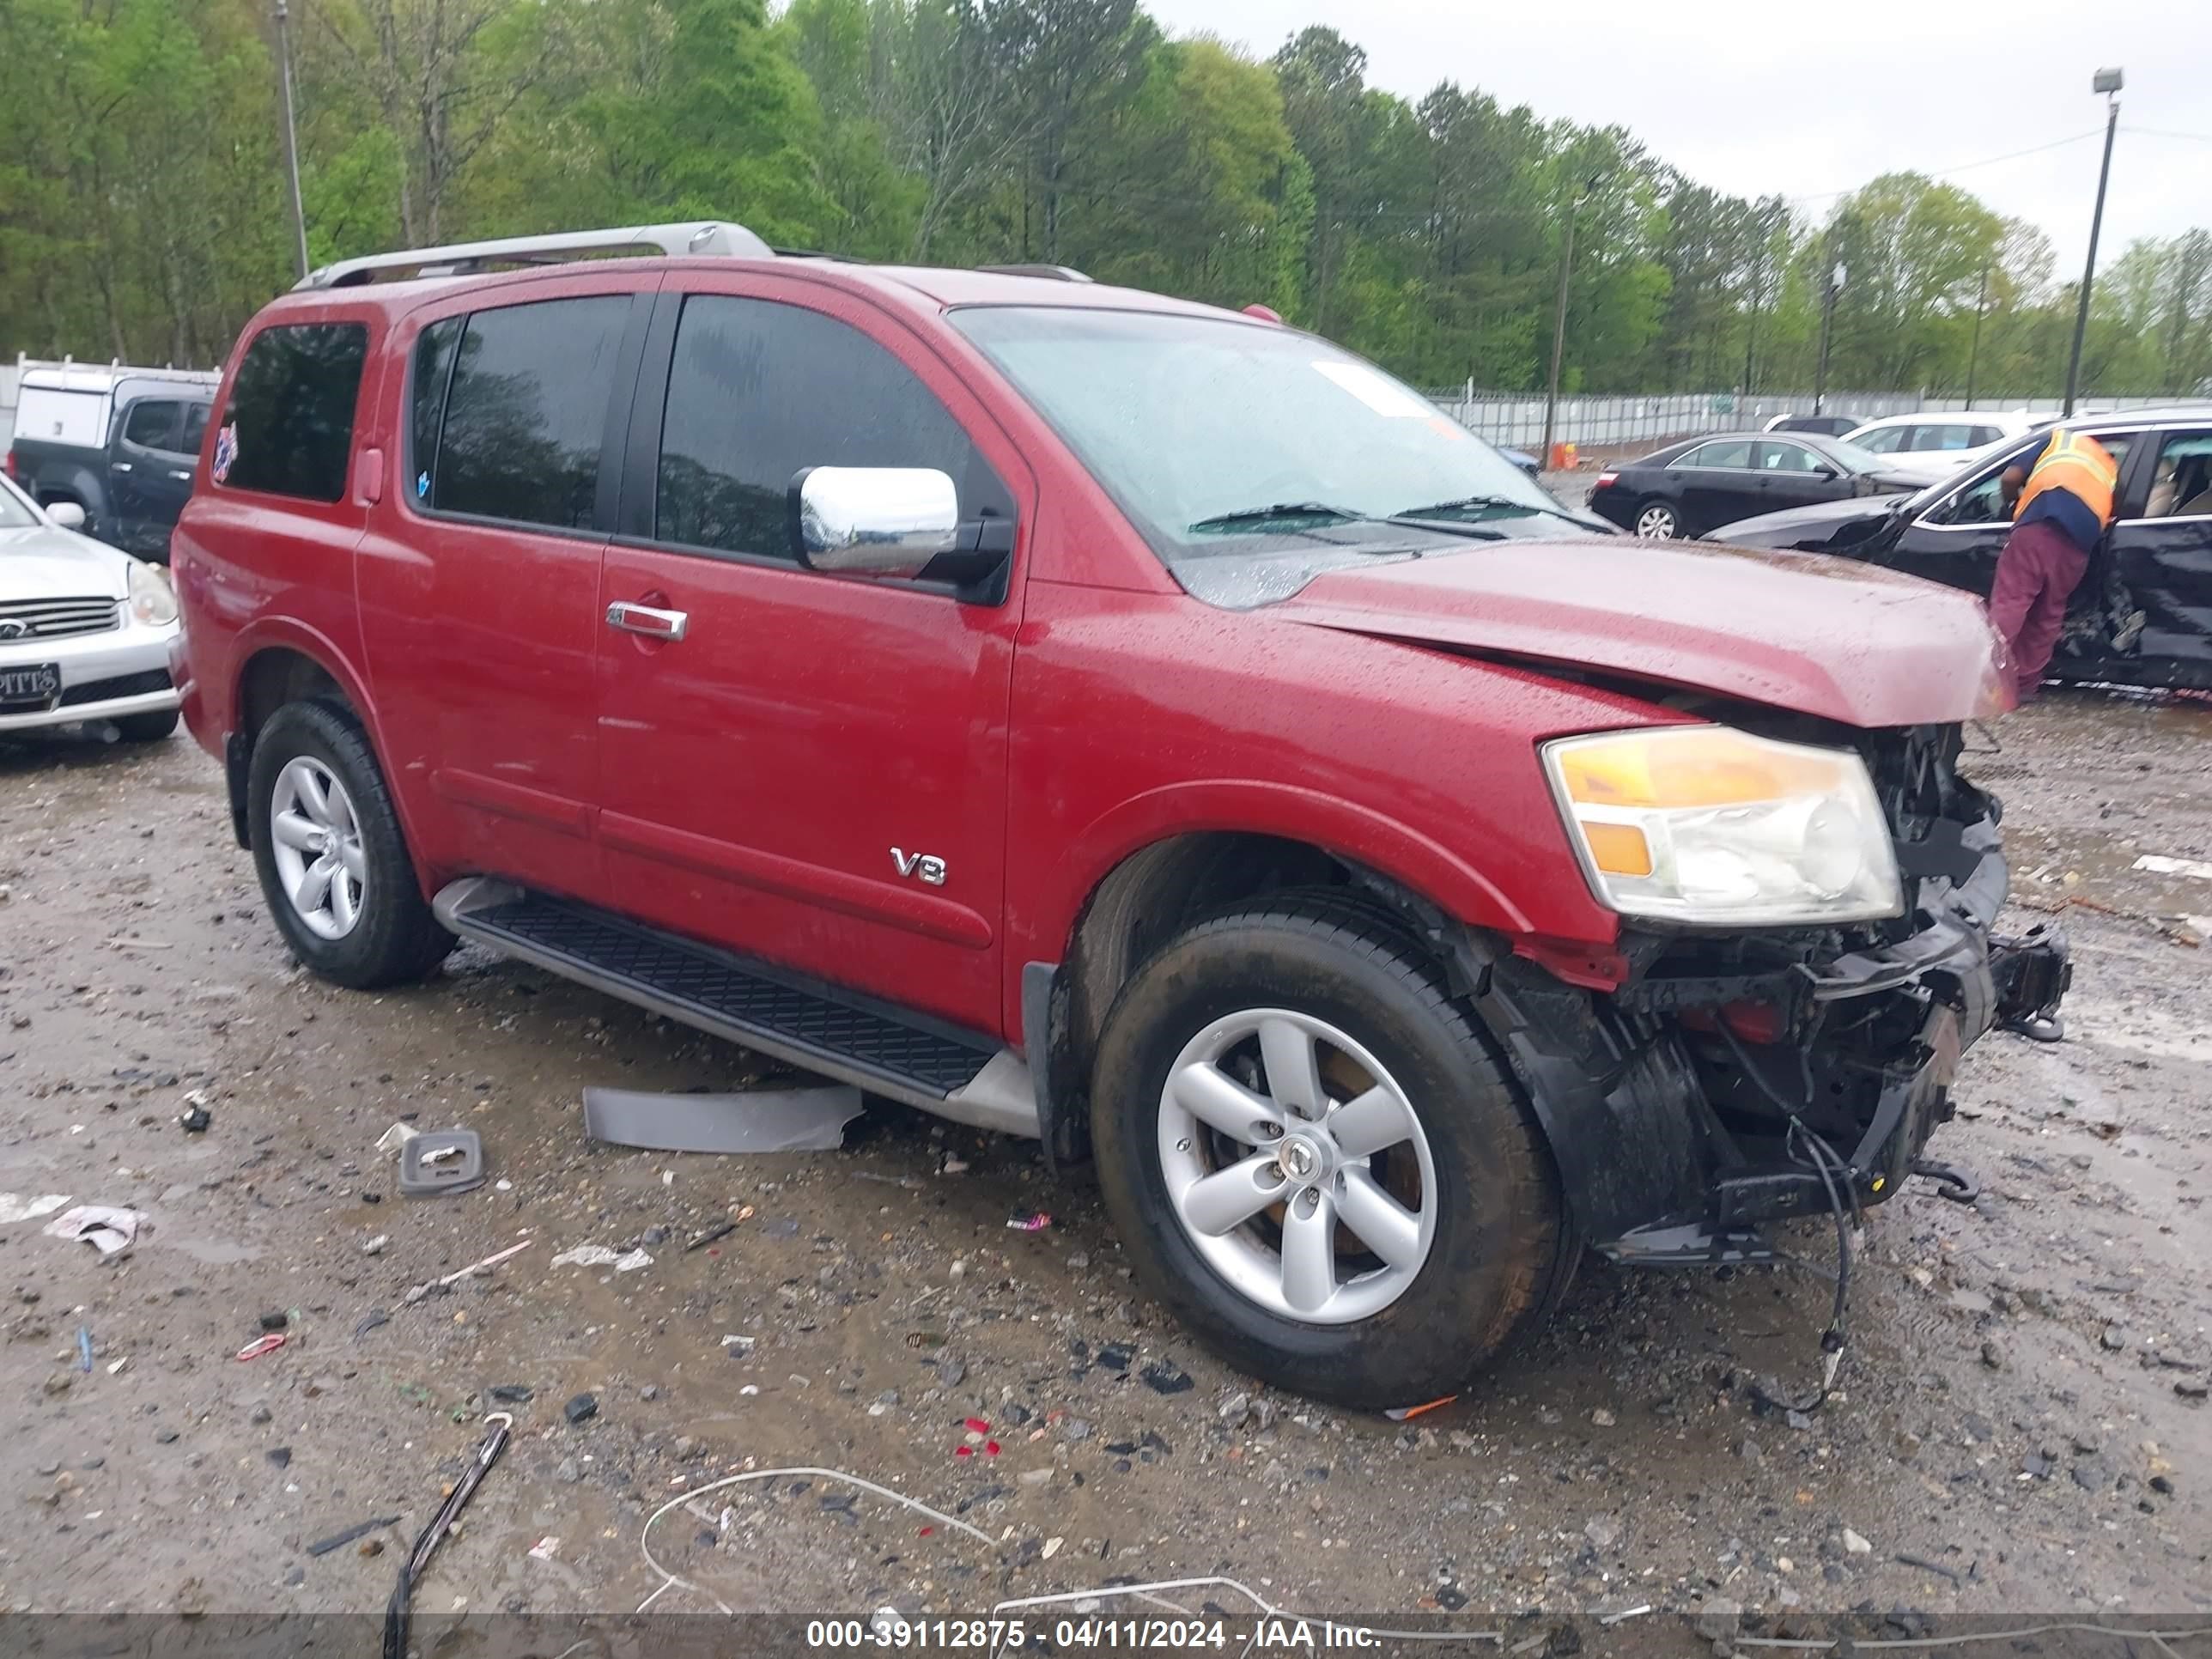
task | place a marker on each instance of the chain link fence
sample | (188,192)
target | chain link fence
(1515,420)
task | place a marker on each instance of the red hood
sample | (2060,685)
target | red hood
(1831,637)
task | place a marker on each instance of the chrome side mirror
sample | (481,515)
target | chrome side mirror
(65,515)
(873,521)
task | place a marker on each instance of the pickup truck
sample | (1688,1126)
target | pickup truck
(119,442)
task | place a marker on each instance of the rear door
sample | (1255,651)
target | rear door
(480,574)
(814,773)
(1715,484)
(2157,594)
(147,433)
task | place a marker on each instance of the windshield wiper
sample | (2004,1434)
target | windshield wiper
(1278,510)
(1468,503)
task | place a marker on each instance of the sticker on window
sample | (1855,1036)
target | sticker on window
(1378,391)
(226,453)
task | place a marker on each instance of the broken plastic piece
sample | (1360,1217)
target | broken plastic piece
(262,1345)
(396,1137)
(1030,1224)
(110,1231)
(14,1207)
(802,1119)
(545,1548)
(440,1162)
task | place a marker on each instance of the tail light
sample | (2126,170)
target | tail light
(1605,480)
(8,461)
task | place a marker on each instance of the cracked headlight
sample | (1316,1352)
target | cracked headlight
(153,601)
(1710,826)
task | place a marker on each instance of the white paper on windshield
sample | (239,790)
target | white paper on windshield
(1378,391)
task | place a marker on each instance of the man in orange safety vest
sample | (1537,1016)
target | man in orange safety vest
(2065,502)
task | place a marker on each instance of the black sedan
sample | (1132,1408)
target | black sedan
(2143,614)
(1690,488)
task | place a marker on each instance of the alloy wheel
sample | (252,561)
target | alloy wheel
(1656,524)
(1297,1167)
(316,843)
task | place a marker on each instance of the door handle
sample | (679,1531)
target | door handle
(186,476)
(121,466)
(648,620)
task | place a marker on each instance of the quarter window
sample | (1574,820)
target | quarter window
(196,420)
(433,366)
(288,430)
(758,390)
(526,412)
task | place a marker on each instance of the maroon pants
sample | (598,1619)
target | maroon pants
(2037,574)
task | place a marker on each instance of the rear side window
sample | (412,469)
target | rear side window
(525,413)
(196,420)
(289,427)
(151,424)
(759,390)
(1733,453)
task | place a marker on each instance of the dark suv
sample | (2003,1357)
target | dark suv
(1110,719)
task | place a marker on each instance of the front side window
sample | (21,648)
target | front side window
(151,424)
(760,390)
(527,412)
(1732,454)
(1883,439)
(1785,458)
(288,430)
(1221,439)
(1983,501)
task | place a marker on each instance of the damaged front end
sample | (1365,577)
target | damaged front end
(1749,1077)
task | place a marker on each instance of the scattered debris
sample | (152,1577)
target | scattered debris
(396,1137)
(1029,1223)
(14,1207)
(801,1120)
(1603,1419)
(1856,1543)
(369,1320)
(1164,1378)
(2157,864)
(1406,1413)
(196,1117)
(399,1611)
(275,1319)
(280,1455)
(545,1548)
(581,1409)
(739,1347)
(84,1349)
(1926,1565)
(1625,1614)
(441,1164)
(110,1231)
(415,1293)
(720,1230)
(261,1345)
(512,1394)
(601,1255)
(338,1540)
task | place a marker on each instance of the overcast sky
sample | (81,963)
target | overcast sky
(1758,96)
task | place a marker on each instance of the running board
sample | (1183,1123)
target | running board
(941,1069)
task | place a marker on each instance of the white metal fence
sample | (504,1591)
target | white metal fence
(1516,420)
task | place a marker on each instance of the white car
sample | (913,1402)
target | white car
(1941,441)
(84,630)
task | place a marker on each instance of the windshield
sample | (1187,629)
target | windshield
(14,515)
(1224,440)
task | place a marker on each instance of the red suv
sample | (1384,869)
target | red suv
(1111,720)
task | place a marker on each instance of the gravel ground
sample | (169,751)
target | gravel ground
(2022,1411)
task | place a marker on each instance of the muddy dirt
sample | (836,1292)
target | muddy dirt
(2022,1408)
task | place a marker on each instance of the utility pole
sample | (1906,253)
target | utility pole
(291,138)
(1974,351)
(2108,82)
(1559,319)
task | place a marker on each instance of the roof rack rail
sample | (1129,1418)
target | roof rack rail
(712,237)
(1054,273)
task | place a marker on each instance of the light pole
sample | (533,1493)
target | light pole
(1974,350)
(1559,319)
(2108,82)
(1837,274)
(291,140)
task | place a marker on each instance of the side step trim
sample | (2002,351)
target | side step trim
(940,1068)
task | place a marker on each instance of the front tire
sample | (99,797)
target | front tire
(1317,1163)
(1656,522)
(334,865)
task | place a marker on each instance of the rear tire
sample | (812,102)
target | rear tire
(1656,521)
(334,865)
(148,728)
(1480,1240)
